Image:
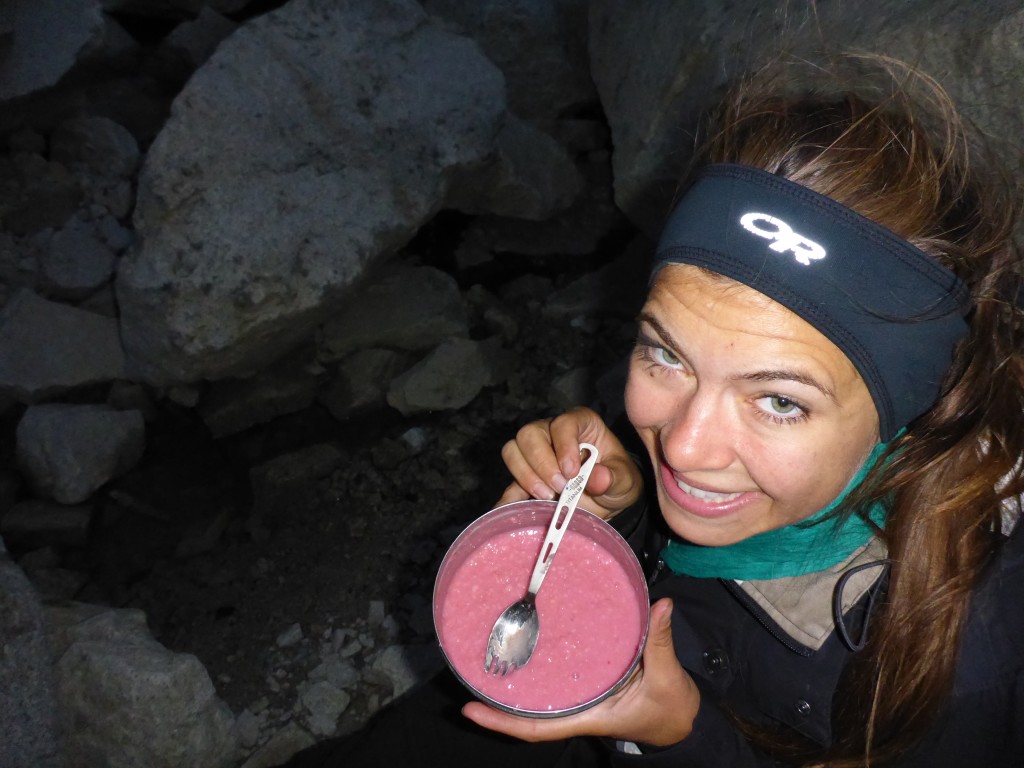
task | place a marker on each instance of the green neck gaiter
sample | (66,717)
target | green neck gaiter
(808,546)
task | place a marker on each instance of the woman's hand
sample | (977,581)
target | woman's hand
(657,706)
(545,454)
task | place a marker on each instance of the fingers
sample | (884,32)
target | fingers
(532,461)
(544,454)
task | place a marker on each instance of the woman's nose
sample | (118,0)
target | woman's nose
(698,436)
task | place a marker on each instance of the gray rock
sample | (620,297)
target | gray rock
(47,38)
(250,237)
(409,308)
(531,177)
(233,405)
(48,349)
(338,671)
(658,65)
(276,482)
(36,194)
(191,43)
(290,739)
(69,451)
(128,701)
(406,666)
(540,46)
(27,702)
(290,636)
(361,381)
(448,378)
(76,261)
(324,704)
(97,145)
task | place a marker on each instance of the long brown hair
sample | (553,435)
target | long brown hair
(905,160)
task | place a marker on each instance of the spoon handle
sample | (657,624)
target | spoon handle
(560,519)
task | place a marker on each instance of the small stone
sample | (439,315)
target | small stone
(290,636)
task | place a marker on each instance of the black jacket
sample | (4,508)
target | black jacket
(746,659)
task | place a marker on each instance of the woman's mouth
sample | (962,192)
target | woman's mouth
(702,502)
(711,496)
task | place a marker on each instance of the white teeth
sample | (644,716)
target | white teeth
(714,498)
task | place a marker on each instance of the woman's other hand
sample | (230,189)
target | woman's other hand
(657,706)
(545,454)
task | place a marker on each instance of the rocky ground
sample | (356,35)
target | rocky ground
(327,575)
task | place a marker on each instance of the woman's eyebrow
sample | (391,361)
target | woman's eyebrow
(777,374)
(659,329)
(788,375)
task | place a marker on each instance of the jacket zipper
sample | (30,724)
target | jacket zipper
(765,621)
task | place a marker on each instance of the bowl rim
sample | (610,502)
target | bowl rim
(548,508)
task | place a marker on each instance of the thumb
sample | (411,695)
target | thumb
(659,638)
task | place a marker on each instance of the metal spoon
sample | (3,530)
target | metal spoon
(515,633)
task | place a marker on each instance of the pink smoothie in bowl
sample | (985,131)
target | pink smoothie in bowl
(593,609)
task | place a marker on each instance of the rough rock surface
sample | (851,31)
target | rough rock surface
(657,66)
(297,110)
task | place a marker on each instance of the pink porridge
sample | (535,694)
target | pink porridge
(591,617)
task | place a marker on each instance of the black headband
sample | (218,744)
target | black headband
(895,312)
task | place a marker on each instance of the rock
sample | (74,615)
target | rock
(531,177)
(128,701)
(191,43)
(27,703)
(577,231)
(47,39)
(324,704)
(233,405)
(276,482)
(36,194)
(97,145)
(408,665)
(446,379)
(77,261)
(338,671)
(48,349)
(251,237)
(540,46)
(36,522)
(409,308)
(284,744)
(658,66)
(69,451)
(361,381)
(290,636)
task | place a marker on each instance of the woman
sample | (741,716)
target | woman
(829,386)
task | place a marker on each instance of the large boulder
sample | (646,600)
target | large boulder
(67,451)
(27,705)
(658,65)
(48,349)
(329,132)
(126,700)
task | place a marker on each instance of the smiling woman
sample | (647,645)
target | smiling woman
(829,383)
(755,420)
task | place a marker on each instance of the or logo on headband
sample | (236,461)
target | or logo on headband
(785,238)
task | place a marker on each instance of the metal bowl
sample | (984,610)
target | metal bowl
(537,514)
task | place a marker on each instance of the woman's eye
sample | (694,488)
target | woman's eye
(663,356)
(781,409)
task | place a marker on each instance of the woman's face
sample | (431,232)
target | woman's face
(753,419)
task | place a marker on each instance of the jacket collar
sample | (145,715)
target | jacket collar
(802,606)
